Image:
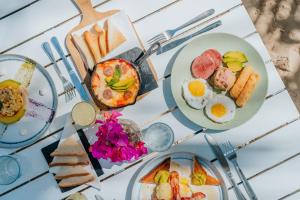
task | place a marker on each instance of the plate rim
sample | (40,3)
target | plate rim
(165,156)
(54,103)
(218,128)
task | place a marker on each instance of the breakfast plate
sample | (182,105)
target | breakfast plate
(183,164)
(39,100)
(223,44)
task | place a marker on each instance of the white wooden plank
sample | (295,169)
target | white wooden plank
(278,181)
(295,196)
(7,7)
(47,14)
(198,145)
(173,16)
(43,189)
(32,163)
(274,148)
(183,127)
(241,26)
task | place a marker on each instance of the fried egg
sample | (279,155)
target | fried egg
(220,109)
(196,93)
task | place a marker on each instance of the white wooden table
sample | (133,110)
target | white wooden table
(269,151)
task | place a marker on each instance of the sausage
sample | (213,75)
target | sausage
(247,90)
(107,94)
(241,82)
(124,68)
(127,95)
(108,71)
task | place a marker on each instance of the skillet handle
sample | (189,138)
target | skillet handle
(153,48)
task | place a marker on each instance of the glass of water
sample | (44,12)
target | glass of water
(9,170)
(158,137)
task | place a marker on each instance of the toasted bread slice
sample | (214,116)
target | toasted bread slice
(70,171)
(75,181)
(84,51)
(69,147)
(101,39)
(149,178)
(91,39)
(69,161)
(198,169)
(102,42)
(114,37)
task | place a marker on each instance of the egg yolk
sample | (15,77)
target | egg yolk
(218,110)
(197,88)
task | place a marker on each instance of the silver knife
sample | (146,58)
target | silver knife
(77,83)
(178,42)
(220,156)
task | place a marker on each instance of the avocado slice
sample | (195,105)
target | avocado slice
(235,66)
(235,56)
(124,83)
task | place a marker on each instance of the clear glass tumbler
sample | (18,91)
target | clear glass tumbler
(9,170)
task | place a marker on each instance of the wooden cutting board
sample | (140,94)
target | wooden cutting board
(91,16)
(88,16)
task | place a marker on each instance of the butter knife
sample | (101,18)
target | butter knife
(77,83)
(178,42)
(220,156)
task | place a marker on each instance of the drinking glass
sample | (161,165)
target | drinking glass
(9,170)
(158,137)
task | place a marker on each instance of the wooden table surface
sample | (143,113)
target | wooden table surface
(269,152)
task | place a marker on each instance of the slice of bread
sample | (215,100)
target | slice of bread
(199,169)
(114,37)
(101,39)
(69,161)
(102,42)
(149,178)
(84,51)
(75,181)
(70,171)
(91,39)
(69,147)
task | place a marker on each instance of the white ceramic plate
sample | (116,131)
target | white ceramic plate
(39,113)
(222,42)
(212,192)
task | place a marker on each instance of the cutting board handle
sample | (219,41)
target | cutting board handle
(87,10)
(89,14)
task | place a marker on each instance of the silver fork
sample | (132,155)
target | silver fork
(230,153)
(168,34)
(68,86)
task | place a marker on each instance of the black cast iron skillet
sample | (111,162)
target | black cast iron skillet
(135,65)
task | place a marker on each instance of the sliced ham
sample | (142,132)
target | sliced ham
(204,65)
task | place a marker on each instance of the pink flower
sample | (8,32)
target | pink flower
(113,142)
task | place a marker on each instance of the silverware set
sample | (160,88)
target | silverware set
(168,34)
(229,153)
(67,85)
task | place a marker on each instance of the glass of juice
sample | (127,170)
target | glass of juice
(84,114)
